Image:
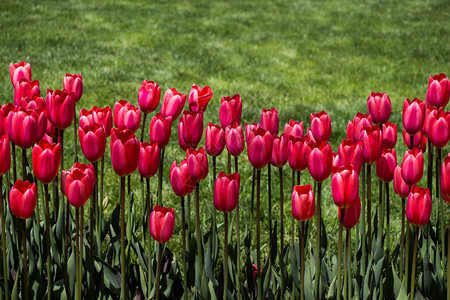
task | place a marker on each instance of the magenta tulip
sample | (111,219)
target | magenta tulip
(418,206)
(379,107)
(412,166)
(372,139)
(445,179)
(320,160)
(26,88)
(413,115)
(438,91)
(124,151)
(73,83)
(173,104)
(197,164)
(351,154)
(293,128)
(303,202)
(5,154)
(79,187)
(61,108)
(389,135)
(161,223)
(19,71)
(259,147)
(192,127)
(226,191)
(36,103)
(386,165)
(230,110)
(46,158)
(419,140)
(148,159)
(401,188)
(351,215)
(321,125)
(149,95)
(182,184)
(214,139)
(438,128)
(344,186)
(360,122)
(93,141)
(126,114)
(298,153)
(269,120)
(234,139)
(183,145)
(22,199)
(279,151)
(26,126)
(199,98)
(160,129)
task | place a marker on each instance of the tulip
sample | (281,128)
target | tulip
(344,186)
(230,110)
(298,153)
(5,110)
(160,128)
(73,83)
(351,154)
(438,128)
(182,184)
(350,129)
(22,199)
(214,139)
(183,145)
(192,127)
(19,71)
(401,188)
(46,159)
(26,127)
(25,88)
(234,139)
(279,151)
(249,128)
(438,90)
(386,165)
(360,122)
(293,128)
(148,159)
(413,115)
(372,144)
(124,151)
(259,147)
(418,207)
(79,187)
(199,98)
(92,141)
(445,179)
(126,114)
(379,107)
(5,154)
(36,103)
(303,202)
(197,164)
(412,166)
(419,140)
(61,108)
(352,214)
(321,125)
(320,160)
(173,104)
(269,120)
(103,116)
(389,131)
(335,163)
(149,95)
(87,117)
(226,191)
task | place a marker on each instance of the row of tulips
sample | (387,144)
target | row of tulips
(371,138)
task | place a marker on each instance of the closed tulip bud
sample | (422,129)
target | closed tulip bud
(389,135)
(161,223)
(5,154)
(412,166)
(5,110)
(439,128)
(269,120)
(294,129)
(259,147)
(401,188)
(279,151)
(351,154)
(182,184)
(321,125)
(350,129)
(26,88)
(234,139)
(173,104)
(344,186)
(413,115)
(149,95)
(148,159)
(419,140)
(22,199)
(320,160)
(351,215)
(126,114)
(418,206)
(226,191)
(19,71)
(160,129)
(73,83)
(199,98)
(445,179)
(78,187)
(192,127)
(26,126)
(372,144)
(230,110)
(298,153)
(379,107)
(335,163)
(46,158)
(197,164)
(93,141)
(183,145)
(430,113)
(303,202)
(360,122)
(61,108)
(214,139)
(124,151)
(438,90)
(36,103)
(386,165)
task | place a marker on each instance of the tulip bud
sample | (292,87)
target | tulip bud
(303,202)
(5,110)
(124,151)
(160,129)
(445,179)
(351,154)
(46,158)
(182,184)
(61,108)
(294,129)
(386,165)
(199,98)
(320,160)
(22,199)
(226,191)
(149,95)
(214,139)
(259,147)
(413,115)
(234,139)
(344,186)
(371,138)
(419,140)
(321,125)
(350,129)
(412,166)
(418,206)
(74,84)
(230,110)
(26,126)
(430,113)
(438,90)
(192,127)
(161,223)
(148,159)
(360,122)
(79,187)
(5,154)
(279,151)
(19,71)
(197,164)
(379,107)
(249,128)
(389,131)
(92,141)
(183,145)
(298,153)
(126,114)
(351,215)
(401,188)
(26,88)
(438,128)
(173,104)
(335,163)
(269,120)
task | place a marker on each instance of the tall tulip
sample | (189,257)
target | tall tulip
(182,184)
(379,107)
(293,128)
(148,159)
(192,127)
(199,98)
(46,159)
(412,166)
(279,151)
(259,148)
(344,186)
(173,104)
(386,165)
(438,128)
(92,141)
(413,115)
(230,110)
(160,128)
(401,188)
(372,144)
(197,164)
(26,88)
(389,131)
(438,91)
(26,127)
(126,114)
(148,97)
(61,108)
(234,139)
(351,154)
(298,153)
(321,125)
(19,71)
(360,122)
(73,83)
(270,121)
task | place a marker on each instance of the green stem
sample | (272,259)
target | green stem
(407,252)
(238,238)
(448,262)
(317,250)
(228,162)
(25,263)
(363,220)
(82,245)
(402,240)
(65,209)
(48,242)
(413,270)
(302,262)
(253,190)
(143,128)
(269,196)
(122,237)
(14,163)
(183,227)
(293,231)
(98,209)
(199,234)
(339,291)
(258,231)
(92,215)
(214,180)
(75,125)
(77,256)
(101,185)
(225,258)
(149,210)
(349,264)
(158,274)
(369,206)
(5,263)
(282,287)
(380,210)
(441,205)
(160,177)
(388,214)
(346,271)
(24,164)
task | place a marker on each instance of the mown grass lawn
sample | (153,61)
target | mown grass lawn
(297,56)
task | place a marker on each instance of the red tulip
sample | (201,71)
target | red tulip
(279,151)
(418,206)
(259,147)
(148,159)
(389,135)
(386,165)
(73,83)
(199,98)
(320,160)
(360,122)
(126,114)
(379,107)
(335,163)
(5,110)
(88,170)
(249,128)
(234,139)
(79,187)
(22,199)
(192,127)
(230,110)
(298,153)
(401,188)
(160,129)
(321,125)
(303,202)
(226,191)
(309,134)
(197,164)
(61,108)
(183,145)
(124,151)
(36,103)
(26,126)
(269,120)
(351,154)
(445,179)
(372,144)
(412,166)
(92,141)
(50,132)
(350,129)
(26,88)
(214,139)
(5,154)
(46,158)
(438,128)
(438,90)
(351,215)
(149,95)
(430,113)
(182,184)
(173,104)
(101,115)
(161,223)
(344,186)
(19,71)
(419,140)
(293,128)
(64,174)
(413,115)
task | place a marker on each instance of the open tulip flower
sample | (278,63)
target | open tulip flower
(413,115)
(149,95)
(344,186)
(26,126)
(270,121)
(148,159)
(73,83)
(160,129)
(352,214)
(214,139)
(389,135)
(303,202)
(294,129)
(46,159)
(438,91)
(173,104)
(372,139)
(22,199)
(197,164)
(192,127)
(412,166)
(360,122)
(226,191)
(199,98)
(234,139)
(321,125)
(19,71)
(92,141)
(351,154)
(379,107)
(124,151)
(126,114)
(259,147)
(419,140)
(418,206)
(26,88)
(438,128)
(230,110)
(386,165)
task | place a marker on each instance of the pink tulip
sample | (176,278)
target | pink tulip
(259,147)
(438,128)
(182,184)
(160,129)
(419,140)
(298,153)
(418,206)
(320,160)
(401,188)
(126,114)
(161,223)
(226,191)
(19,71)
(22,199)
(5,154)
(230,110)
(61,108)
(124,151)
(379,107)
(214,139)
(293,128)
(413,115)
(74,84)
(371,138)
(93,141)
(351,215)
(386,165)
(445,179)
(279,151)
(350,129)
(46,158)
(303,202)
(197,164)
(438,90)
(412,166)
(351,154)
(199,98)
(234,139)
(173,104)
(360,122)
(183,145)
(5,110)
(321,125)
(269,120)
(36,103)
(192,127)
(26,88)
(344,186)
(149,95)
(79,187)
(26,127)
(389,135)
(249,128)
(148,159)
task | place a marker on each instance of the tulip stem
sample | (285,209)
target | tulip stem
(158,274)
(318,229)
(293,230)
(225,258)
(48,243)
(448,262)
(339,293)
(238,238)
(430,167)
(65,209)
(413,270)
(349,263)
(363,220)
(302,262)
(253,190)
(402,240)
(214,178)
(407,252)
(92,217)
(82,245)
(199,234)
(380,210)
(98,207)
(228,163)
(102,168)
(282,287)
(346,273)
(441,206)
(25,272)
(269,196)
(388,214)
(236,169)
(77,257)
(369,205)
(2,212)
(183,227)
(258,231)
(24,164)
(122,237)
(75,125)
(149,210)
(13,148)
(160,177)
(143,128)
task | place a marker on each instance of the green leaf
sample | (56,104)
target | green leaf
(15,291)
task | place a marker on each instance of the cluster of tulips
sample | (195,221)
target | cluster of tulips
(32,122)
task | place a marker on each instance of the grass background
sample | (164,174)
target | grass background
(297,56)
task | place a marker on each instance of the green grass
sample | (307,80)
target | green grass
(301,57)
